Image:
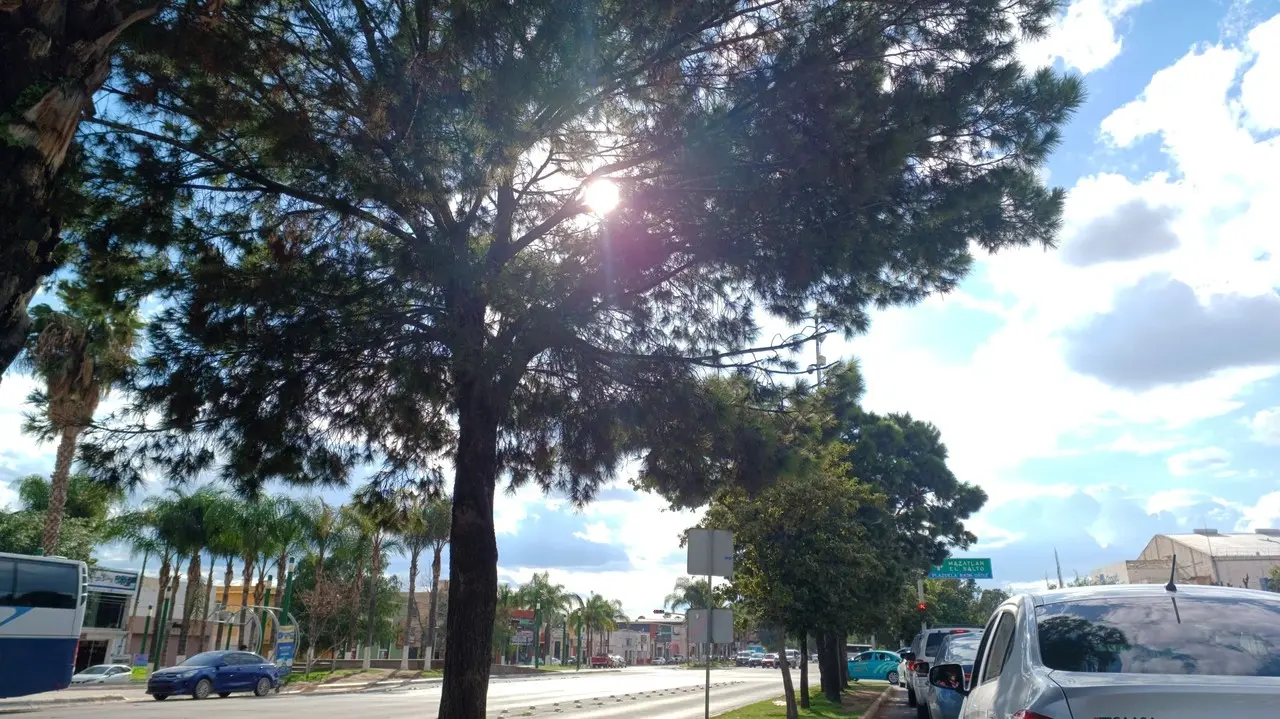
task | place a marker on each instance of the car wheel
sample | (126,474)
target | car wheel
(159,697)
(893,677)
(202,689)
(224,695)
(262,688)
(911,697)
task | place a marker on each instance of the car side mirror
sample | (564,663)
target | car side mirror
(948,676)
(909,656)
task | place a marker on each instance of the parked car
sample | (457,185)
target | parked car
(877,665)
(616,661)
(221,673)
(103,674)
(659,661)
(920,657)
(769,661)
(793,657)
(1126,651)
(945,702)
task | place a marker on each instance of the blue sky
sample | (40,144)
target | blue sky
(1125,384)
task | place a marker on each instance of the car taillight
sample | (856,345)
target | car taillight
(1028,714)
(967,677)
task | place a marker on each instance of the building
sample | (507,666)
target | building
(1205,556)
(103,639)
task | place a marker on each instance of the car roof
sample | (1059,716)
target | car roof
(1111,591)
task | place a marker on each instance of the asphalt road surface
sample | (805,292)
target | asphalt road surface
(653,693)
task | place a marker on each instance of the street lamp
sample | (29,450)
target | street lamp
(287,601)
(146,629)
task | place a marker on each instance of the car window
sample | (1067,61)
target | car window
(863,657)
(960,649)
(932,642)
(250,658)
(1215,636)
(204,659)
(1001,647)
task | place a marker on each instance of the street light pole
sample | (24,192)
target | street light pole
(146,629)
(537,633)
(287,602)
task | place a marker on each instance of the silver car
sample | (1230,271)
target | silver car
(1126,651)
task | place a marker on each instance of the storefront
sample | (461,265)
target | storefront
(106,617)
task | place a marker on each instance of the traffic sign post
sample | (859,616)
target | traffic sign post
(711,555)
(962,568)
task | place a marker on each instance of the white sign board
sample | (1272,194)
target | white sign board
(711,553)
(721,626)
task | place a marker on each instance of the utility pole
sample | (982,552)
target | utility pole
(1058,564)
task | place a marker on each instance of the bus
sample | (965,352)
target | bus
(42,602)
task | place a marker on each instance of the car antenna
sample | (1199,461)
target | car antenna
(1173,571)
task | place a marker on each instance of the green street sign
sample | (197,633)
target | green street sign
(962,568)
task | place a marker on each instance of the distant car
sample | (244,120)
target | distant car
(616,661)
(769,661)
(659,661)
(103,674)
(875,665)
(757,659)
(742,659)
(1126,651)
(945,702)
(221,673)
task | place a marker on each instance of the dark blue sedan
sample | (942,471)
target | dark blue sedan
(218,673)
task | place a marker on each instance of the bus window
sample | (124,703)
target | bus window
(6,582)
(46,585)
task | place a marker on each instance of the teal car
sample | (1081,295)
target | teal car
(876,664)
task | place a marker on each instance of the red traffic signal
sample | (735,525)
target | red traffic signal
(922,607)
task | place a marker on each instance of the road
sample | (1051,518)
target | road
(654,693)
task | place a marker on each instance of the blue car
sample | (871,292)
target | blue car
(955,649)
(218,673)
(877,664)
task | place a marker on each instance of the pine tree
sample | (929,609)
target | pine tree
(521,232)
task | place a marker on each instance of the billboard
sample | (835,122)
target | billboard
(112,581)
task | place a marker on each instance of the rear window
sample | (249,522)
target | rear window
(934,640)
(962,649)
(1218,636)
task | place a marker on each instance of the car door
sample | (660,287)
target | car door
(256,667)
(860,666)
(227,678)
(118,675)
(997,646)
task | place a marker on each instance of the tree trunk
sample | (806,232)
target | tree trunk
(374,576)
(434,606)
(208,606)
(56,54)
(189,601)
(226,597)
(835,651)
(408,614)
(842,660)
(473,557)
(282,568)
(804,670)
(58,484)
(788,689)
(137,597)
(246,580)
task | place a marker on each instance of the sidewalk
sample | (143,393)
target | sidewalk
(66,697)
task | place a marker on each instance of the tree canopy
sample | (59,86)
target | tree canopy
(380,240)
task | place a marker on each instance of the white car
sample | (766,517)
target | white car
(1126,651)
(915,667)
(104,674)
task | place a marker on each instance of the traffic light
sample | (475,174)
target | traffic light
(922,607)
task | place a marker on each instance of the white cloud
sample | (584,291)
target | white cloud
(1264,513)
(597,532)
(1084,37)
(1195,461)
(1265,425)
(1129,443)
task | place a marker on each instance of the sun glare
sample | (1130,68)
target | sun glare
(601,196)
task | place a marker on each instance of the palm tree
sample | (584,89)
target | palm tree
(600,615)
(79,353)
(547,600)
(508,601)
(289,535)
(255,543)
(324,524)
(225,541)
(375,519)
(191,536)
(413,525)
(693,594)
(136,529)
(437,519)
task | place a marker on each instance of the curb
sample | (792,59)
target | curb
(874,710)
(19,707)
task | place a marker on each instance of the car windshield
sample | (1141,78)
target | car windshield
(962,648)
(207,659)
(99,669)
(1215,636)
